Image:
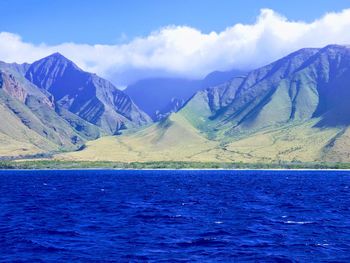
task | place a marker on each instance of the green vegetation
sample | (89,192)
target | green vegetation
(54,164)
(181,142)
(280,113)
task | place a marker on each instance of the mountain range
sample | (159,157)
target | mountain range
(295,109)
(159,97)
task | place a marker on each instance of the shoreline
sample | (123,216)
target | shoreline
(170,165)
(169,169)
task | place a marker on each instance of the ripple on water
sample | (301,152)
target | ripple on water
(174,216)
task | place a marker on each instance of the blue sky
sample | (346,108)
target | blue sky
(110,22)
(125,41)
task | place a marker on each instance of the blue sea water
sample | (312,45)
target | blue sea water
(174,216)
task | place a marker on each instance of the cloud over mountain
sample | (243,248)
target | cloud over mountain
(185,51)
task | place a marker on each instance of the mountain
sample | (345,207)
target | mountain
(256,100)
(18,68)
(156,96)
(86,95)
(218,77)
(308,84)
(294,109)
(29,122)
(52,105)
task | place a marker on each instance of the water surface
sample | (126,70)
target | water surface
(174,216)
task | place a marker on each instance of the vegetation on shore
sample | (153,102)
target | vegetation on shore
(56,164)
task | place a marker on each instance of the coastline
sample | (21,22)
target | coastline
(167,169)
(169,166)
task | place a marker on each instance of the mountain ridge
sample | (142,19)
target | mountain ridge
(294,109)
(34,105)
(168,90)
(92,98)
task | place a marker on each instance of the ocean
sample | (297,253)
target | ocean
(174,216)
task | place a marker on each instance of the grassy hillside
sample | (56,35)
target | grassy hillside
(294,110)
(18,139)
(177,140)
(173,139)
(295,143)
(14,148)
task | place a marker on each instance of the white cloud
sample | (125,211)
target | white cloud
(185,51)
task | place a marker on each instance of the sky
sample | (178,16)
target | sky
(128,40)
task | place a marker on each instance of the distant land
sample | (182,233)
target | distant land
(159,97)
(294,112)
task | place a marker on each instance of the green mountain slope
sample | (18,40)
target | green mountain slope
(171,139)
(177,140)
(295,109)
(18,139)
(52,105)
(30,117)
(307,84)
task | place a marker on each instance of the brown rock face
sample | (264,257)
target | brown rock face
(13,87)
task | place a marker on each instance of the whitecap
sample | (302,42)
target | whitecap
(322,245)
(298,222)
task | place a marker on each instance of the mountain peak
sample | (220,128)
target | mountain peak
(56,60)
(58,57)
(57,53)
